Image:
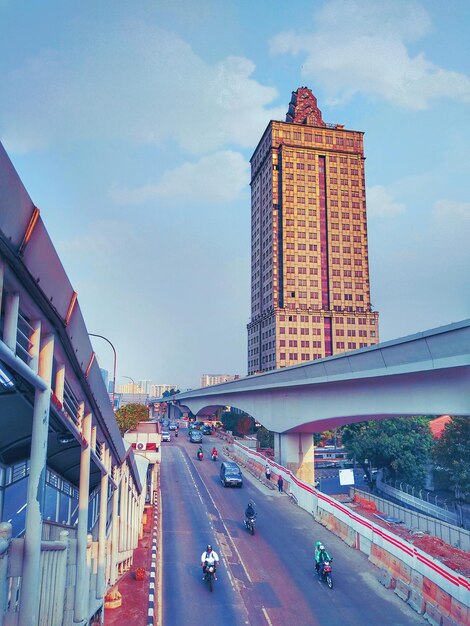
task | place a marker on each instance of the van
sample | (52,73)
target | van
(230,474)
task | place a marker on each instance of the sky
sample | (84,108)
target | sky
(132,123)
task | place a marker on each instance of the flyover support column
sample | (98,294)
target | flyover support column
(295,451)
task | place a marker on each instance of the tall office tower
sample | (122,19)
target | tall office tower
(310,294)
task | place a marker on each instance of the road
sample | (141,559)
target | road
(266,579)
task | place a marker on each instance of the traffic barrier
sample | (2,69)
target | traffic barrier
(386,579)
(459,612)
(379,557)
(402,589)
(398,569)
(415,600)
(433,594)
(432,615)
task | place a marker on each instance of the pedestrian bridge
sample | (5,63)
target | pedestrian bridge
(424,374)
(71,494)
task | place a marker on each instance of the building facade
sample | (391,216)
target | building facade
(310,289)
(215,379)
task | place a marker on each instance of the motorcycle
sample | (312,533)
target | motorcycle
(209,574)
(176,433)
(214,456)
(200,456)
(250,524)
(326,575)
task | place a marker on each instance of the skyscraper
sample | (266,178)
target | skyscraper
(310,292)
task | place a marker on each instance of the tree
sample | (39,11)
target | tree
(265,437)
(452,454)
(130,415)
(400,445)
(238,423)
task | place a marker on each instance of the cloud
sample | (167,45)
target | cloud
(452,211)
(219,177)
(380,203)
(361,46)
(153,89)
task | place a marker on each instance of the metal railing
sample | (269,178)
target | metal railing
(70,403)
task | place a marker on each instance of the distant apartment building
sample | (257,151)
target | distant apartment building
(146,388)
(157,391)
(310,291)
(214,379)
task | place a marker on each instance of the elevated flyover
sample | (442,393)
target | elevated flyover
(423,374)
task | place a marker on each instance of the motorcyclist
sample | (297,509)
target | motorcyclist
(200,451)
(250,511)
(209,557)
(321,555)
(214,452)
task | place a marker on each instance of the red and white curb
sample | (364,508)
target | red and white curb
(153,571)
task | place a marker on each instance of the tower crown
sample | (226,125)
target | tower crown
(303,108)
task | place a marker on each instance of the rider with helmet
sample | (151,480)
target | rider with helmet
(214,452)
(321,555)
(250,511)
(209,557)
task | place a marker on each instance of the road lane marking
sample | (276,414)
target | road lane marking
(265,613)
(227,531)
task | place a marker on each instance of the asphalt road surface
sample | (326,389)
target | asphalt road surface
(266,579)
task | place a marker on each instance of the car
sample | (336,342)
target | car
(195,436)
(231,474)
(206,430)
(173,426)
(166,435)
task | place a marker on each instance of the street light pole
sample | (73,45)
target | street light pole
(114,367)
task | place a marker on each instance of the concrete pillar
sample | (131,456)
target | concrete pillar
(82,582)
(10,322)
(35,340)
(93,439)
(2,280)
(60,382)
(115,530)
(29,606)
(295,451)
(100,578)
(123,510)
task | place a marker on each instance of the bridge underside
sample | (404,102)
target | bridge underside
(315,406)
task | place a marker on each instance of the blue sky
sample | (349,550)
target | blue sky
(132,123)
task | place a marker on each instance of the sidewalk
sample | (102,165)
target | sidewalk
(135,593)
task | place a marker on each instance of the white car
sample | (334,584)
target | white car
(166,435)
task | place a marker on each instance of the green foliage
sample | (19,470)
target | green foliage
(401,445)
(240,424)
(265,437)
(452,454)
(130,415)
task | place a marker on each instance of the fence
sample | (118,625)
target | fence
(442,511)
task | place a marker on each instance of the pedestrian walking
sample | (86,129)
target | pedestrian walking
(267,471)
(280,483)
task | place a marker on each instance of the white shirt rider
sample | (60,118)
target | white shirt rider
(211,557)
